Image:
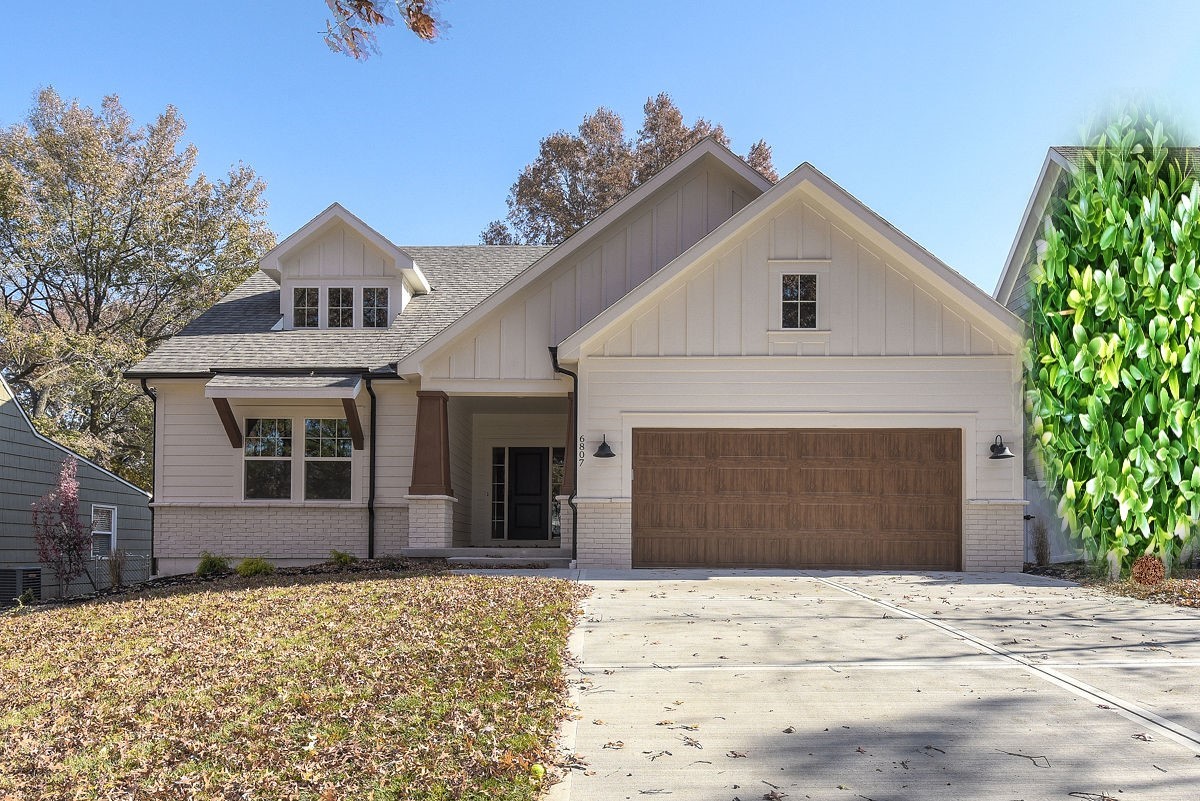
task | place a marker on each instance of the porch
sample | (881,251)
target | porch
(490,479)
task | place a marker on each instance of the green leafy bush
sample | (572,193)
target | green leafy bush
(212,565)
(1112,366)
(255,566)
(341,558)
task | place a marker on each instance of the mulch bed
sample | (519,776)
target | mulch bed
(1182,589)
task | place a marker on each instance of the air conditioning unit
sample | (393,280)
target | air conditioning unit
(16,581)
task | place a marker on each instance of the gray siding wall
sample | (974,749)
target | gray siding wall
(29,467)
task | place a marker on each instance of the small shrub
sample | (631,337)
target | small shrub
(116,568)
(341,558)
(26,598)
(1041,543)
(212,565)
(255,566)
(1148,570)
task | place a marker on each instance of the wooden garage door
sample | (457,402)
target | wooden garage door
(797,498)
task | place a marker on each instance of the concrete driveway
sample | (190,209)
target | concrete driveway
(832,685)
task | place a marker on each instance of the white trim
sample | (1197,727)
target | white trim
(282,392)
(112,532)
(1035,208)
(411,364)
(804,180)
(500,387)
(12,396)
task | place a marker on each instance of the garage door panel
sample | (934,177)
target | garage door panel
(797,498)
(752,480)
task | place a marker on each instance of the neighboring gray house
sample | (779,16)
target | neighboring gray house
(29,468)
(1012,290)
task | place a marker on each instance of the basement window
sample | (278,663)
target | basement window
(799,301)
(268,458)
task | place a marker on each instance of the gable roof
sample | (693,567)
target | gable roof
(237,333)
(334,213)
(705,148)
(1059,160)
(972,297)
(8,397)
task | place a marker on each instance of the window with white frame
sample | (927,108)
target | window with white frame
(341,307)
(306,311)
(328,449)
(375,307)
(104,530)
(268,458)
(798,304)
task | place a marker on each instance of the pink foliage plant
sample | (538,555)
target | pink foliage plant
(63,541)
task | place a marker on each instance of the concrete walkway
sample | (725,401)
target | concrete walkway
(779,684)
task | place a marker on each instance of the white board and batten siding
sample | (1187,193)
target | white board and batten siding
(340,257)
(196,465)
(510,344)
(707,350)
(869,305)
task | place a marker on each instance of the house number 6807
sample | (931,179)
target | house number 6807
(582,448)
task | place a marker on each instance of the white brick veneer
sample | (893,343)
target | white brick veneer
(430,521)
(284,534)
(605,538)
(994,536)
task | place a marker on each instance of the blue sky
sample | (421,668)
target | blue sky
(937,115)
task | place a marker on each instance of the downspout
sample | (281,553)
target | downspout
(371,479)
(153,396)
(572,450)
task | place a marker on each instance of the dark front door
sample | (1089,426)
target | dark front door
(529,494)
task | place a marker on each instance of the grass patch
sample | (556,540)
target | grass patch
(376,686)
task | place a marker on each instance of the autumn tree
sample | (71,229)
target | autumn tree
(63,541)
(353,25)
(576,176)
(110,242)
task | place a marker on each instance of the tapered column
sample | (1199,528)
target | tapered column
(431,448)
(571,463)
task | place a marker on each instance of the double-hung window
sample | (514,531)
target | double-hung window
(375,307)
(104,530)
(268,458)
(328,448)
(341,307)
(306,312)
(799,301)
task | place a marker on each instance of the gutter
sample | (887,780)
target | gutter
(153,396)
(371,479)
(571,449)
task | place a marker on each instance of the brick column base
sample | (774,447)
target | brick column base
(605,532)
(430,521)
(994,535)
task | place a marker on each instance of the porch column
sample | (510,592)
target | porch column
(430,496)
(571,463)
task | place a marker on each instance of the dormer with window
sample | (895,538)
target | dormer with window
(339,273)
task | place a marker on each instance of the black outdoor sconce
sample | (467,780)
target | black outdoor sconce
(1000,450)
(605,452)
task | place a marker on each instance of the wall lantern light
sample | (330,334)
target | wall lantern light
(1000,450)
(605,452)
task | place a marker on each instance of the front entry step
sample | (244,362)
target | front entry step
(509,561)
(537,554)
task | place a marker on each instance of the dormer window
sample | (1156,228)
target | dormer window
(341,307)
(375,307)
(306,307)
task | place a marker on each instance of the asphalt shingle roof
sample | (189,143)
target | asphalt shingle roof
(235,334)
